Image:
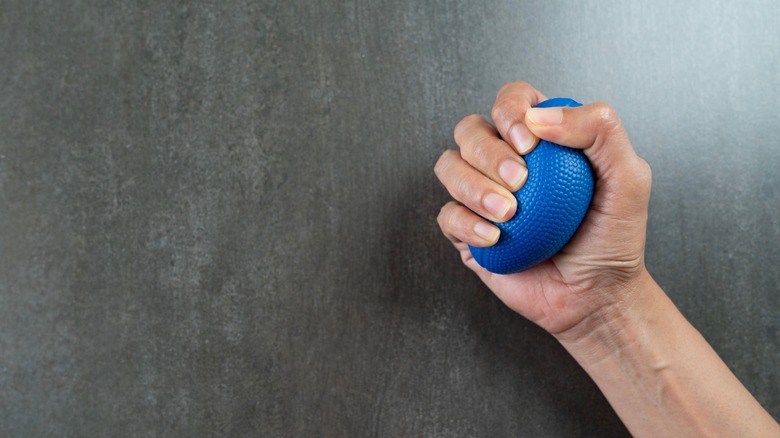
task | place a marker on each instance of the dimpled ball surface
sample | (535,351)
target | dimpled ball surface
(551,206)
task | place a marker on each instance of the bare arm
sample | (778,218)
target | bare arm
(661,376)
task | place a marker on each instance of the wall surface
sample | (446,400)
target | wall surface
(218,218)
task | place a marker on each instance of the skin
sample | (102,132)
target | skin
(595,296)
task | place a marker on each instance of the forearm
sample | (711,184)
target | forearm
(661,376)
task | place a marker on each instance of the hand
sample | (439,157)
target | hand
(596,274)
(595,295)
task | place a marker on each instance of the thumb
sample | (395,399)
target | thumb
(597,130)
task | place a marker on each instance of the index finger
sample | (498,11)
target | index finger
(512,101)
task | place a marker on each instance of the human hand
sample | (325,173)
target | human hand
(657,371)
(596,275)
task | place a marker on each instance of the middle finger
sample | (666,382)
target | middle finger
(481,147)
(473,189)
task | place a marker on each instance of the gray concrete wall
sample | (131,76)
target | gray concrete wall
(218,218)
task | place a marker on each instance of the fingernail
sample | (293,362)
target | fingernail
(497,205)
(487,231)
(513,173)
(522,139)
(545,116)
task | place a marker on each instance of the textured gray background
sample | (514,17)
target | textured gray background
(218,218)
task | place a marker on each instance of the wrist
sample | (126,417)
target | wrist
(618,325)
(658,372)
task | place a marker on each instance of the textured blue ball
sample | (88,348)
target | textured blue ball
(551,206)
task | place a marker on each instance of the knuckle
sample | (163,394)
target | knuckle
(442,217)
(459,227)
(463,126)
(443,162)
(504,89)
(644,173)
(437,168)
(453,224)
(511,86)
(448,220)
(607,116)
(646,169)
(498,112)
(503,115)
(637,180)
(478,150)
(468,191)
(464,188)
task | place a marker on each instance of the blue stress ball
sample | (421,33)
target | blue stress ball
(550,207)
